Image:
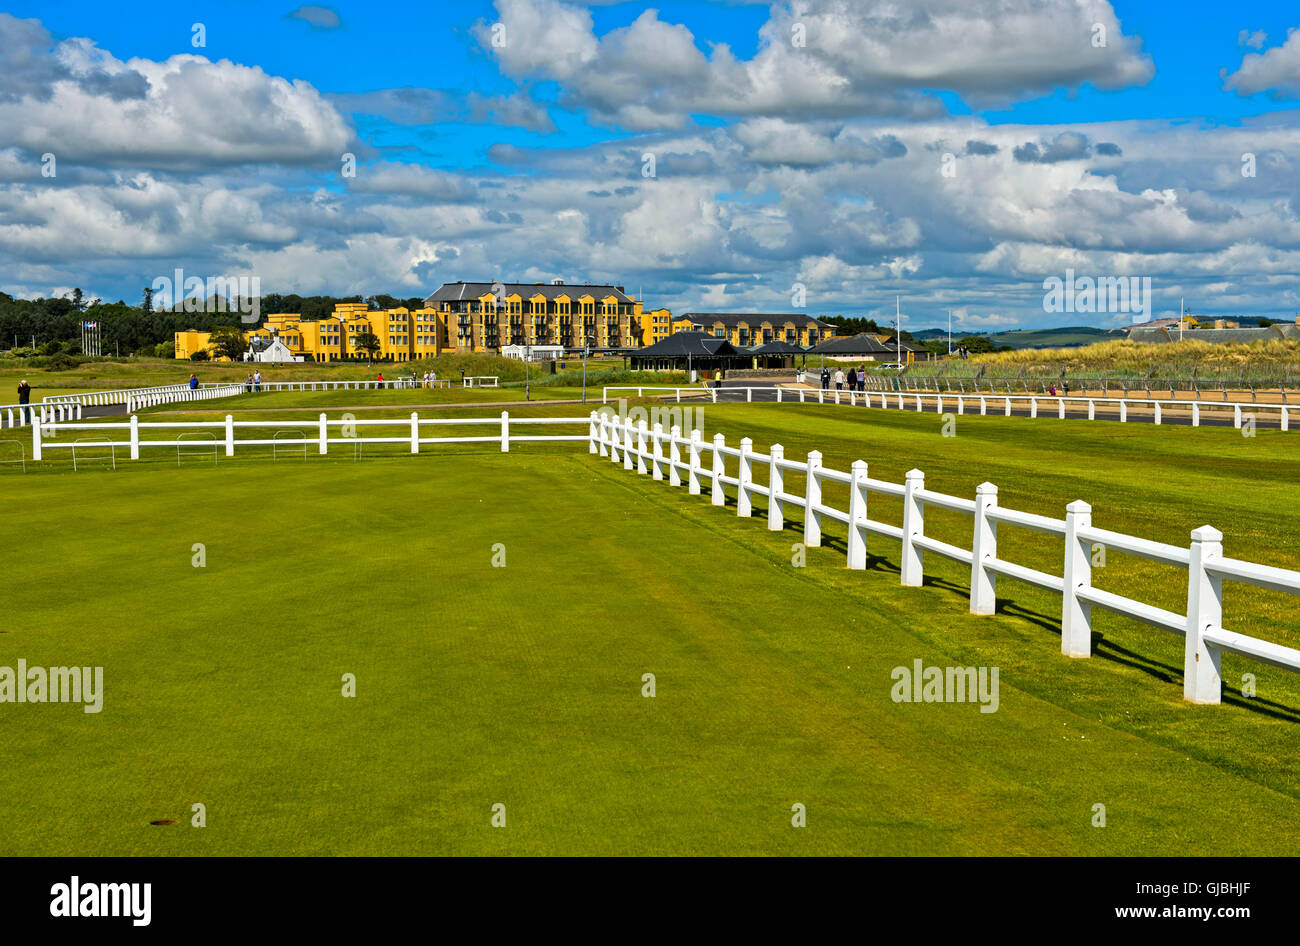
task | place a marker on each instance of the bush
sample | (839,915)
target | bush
(165,350)
(200,355)
(62,362)
(52,347)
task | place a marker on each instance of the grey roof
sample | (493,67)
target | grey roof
(681,344)
(861,344)
(777,348)
(460,291)
(733,318)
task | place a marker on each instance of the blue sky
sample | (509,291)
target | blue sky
(776,164)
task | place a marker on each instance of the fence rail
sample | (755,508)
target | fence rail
(660,454)
(1036,404)
(411,427)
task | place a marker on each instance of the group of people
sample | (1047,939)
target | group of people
(856,379)
(254,381)
(428,379)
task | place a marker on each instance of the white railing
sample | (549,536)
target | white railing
(660,454)
(388,384)
(1044,405)
(136,401)
(21,415)
(480,381)
(411,432)
(117,396)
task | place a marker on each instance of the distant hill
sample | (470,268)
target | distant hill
(1029,338)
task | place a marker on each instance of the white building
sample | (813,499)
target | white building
(534,352)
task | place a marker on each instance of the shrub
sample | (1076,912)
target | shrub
(200,355)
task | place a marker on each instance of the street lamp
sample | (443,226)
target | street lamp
(586,350)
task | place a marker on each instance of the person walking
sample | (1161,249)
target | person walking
(717,377)
(862,378)
(839,379)
(826,379)
(24,397)
(248,385)
(257,380)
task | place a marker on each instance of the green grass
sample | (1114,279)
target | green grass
(522,685)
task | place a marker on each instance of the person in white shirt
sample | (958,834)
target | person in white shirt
(839,379)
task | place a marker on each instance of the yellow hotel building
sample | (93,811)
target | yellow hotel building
(750,329)
(462,317)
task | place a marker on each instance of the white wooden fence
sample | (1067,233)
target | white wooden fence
(21,415)
(660,454)
(46,437)
(1038,405)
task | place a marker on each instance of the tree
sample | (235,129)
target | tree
(368,342)
(147,302)
(200,355)
(229,342)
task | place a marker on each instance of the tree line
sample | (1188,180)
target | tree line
(49,324)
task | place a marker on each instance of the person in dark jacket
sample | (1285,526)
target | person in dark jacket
(25,397)
(826,379)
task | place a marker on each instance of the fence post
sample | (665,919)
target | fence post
(599,433)
(1236,416)
(719,468)
(857,544)
(657,463)
(1060,408)
(775,486)
(135,437)
(230,435)
(1033,407)
(324,435)
(1123,411)
(1201,681)
(593,445)
(415,432)
(628,427)
(913,526)
(961,405)
(749,394)
(1007,413)
(744,505)
(674,456)
(505,431)
(612,435)
(693,477)
(984,546)
(1157,407)
(812,498)
(36,441)
(641,431)
(984,406)
(1092,409)
(1076,614)
(1284,419)
(1196,413)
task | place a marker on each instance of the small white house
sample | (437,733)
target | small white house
(272,351)
(534,352)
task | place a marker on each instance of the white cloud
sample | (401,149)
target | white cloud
(1276,69)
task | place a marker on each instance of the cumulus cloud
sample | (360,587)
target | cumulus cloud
(1276,70)
(830,58)
(82,104)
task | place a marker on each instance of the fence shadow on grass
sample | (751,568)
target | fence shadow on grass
(1051,623)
